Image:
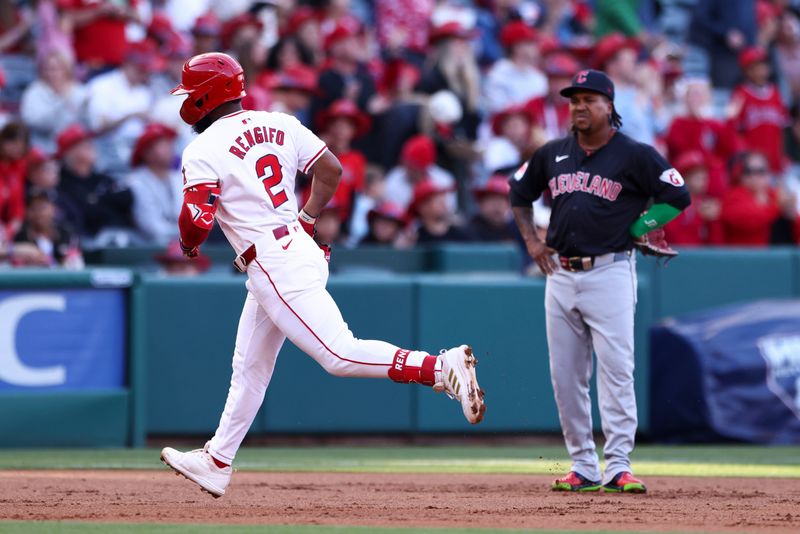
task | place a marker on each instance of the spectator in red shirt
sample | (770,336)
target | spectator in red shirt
(751,207)
(699,224)
(13,168)
(99,30)
(757,110)
(339,125)
(695,129)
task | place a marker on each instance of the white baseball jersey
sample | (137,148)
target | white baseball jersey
(253,156)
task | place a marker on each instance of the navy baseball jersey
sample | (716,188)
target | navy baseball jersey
(596,196)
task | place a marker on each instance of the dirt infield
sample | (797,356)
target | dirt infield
(408,500)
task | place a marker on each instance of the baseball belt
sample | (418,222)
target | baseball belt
(246,258)
(587,263)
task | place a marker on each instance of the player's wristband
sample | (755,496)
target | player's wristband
(307,222)
(657,216)
(305,217)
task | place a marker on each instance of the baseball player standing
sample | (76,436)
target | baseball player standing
(240,171)
(600,181)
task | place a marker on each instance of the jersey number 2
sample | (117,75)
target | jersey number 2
(268,169)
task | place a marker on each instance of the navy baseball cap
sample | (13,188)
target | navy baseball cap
(590,80)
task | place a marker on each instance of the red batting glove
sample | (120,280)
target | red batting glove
(326,250)
(307,222)
(189,252)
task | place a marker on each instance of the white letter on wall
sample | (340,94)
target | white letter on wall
(12,370)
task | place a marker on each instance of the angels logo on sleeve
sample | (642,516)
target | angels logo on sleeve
(671,177)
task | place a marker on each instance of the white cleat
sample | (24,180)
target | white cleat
(460,383)
(199,467)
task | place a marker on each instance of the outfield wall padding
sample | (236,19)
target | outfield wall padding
(181,335)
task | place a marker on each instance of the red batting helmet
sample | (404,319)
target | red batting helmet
(209,80)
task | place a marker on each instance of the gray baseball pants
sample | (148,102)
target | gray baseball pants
(585,311)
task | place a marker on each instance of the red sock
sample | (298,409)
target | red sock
(221,465)
(424,374)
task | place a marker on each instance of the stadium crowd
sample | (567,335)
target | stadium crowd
(429,104)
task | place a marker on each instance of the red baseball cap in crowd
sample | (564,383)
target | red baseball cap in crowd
(518,109)
(424,190)
(689,160)
(339,33)
(561,65)
(517,32)
(297,78)
(233,25)
(394,71)
(144,54)
(36,157)
(449,30)
(387,210)
(345,109)
(178,47)
(418,152)
(207,25)
(609,45)
(300,16)
(160,27)
(71,136)
(152,133)
(497,184)
(751,55)
(670,70)
(548,44)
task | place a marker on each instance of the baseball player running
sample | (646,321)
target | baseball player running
(240,171)
(600,181)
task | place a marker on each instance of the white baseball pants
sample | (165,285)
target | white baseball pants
(287,298)
(585,310)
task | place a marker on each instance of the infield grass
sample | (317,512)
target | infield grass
(739,461)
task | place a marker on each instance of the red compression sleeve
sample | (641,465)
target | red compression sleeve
(197,214)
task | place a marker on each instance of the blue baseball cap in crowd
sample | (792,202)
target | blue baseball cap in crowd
(590,80)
